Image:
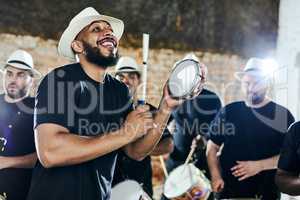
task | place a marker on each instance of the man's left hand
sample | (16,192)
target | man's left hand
(172,102)
(246,169)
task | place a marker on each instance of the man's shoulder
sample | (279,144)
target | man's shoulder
(280,107)
(112,80)
(29,100)
(65,71)
(235,105)
(208,92)
(295,129)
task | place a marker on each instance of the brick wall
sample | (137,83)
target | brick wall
(220,66)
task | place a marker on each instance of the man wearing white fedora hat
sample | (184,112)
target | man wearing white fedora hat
(127,71)
(84,116)
(251,132)
(17,150)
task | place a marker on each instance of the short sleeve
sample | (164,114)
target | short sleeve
(289,157)
(50,103)
(216,134)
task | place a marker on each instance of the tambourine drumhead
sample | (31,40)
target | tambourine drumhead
(182,179)
(127,190)
(185,77)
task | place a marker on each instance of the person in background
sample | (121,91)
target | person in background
(17,150)
(190,125)
(128,72)
(251,133)
(287,176)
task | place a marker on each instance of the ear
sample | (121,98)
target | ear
(77,46)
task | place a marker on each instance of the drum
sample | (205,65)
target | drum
(185,79)
(187,182)
(129,190)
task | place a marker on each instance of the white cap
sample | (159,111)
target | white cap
(258,67)
(126,64)
(22,60)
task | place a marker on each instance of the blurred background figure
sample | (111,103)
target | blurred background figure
(251,132)
(17,150)
(190,120)
(128,72)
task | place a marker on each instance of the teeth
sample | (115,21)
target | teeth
(107,44)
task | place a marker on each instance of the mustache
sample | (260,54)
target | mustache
(12,84)
(108,39)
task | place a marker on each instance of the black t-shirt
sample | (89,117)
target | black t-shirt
(249,134)
(140,171)
(290,153)
(16,139)
(67,96)
(193,117)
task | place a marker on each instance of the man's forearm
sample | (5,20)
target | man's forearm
(288,183)
(145,145)
(213,160)
(26,161)
(163,147)
(214,165)
(269,163)
(64,148)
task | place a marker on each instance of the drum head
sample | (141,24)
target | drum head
(180,180)
(127,190)
(184,78)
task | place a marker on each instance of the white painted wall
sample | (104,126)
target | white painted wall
(288,54)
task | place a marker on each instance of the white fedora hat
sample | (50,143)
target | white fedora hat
(257,67)
(80,21)
(126,64)
(21,59)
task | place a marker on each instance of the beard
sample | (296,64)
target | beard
(256,98)
(18,94)
(94,55)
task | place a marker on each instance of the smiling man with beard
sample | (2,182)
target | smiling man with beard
(248,161)
(77,162)
(17,151)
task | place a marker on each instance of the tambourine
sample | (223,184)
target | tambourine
(186,79)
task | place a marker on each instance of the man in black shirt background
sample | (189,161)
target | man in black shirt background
(189,120)
(287,176)
(192,119)
(84,116)
(128,72)
(17,150)
(251,132)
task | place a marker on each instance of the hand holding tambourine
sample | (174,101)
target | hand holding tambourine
(186,82)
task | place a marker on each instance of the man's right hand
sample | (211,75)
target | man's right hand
(138,122)
(217,184)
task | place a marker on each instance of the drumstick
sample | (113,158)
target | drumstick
(145,59)
(193,148)
(162,162)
